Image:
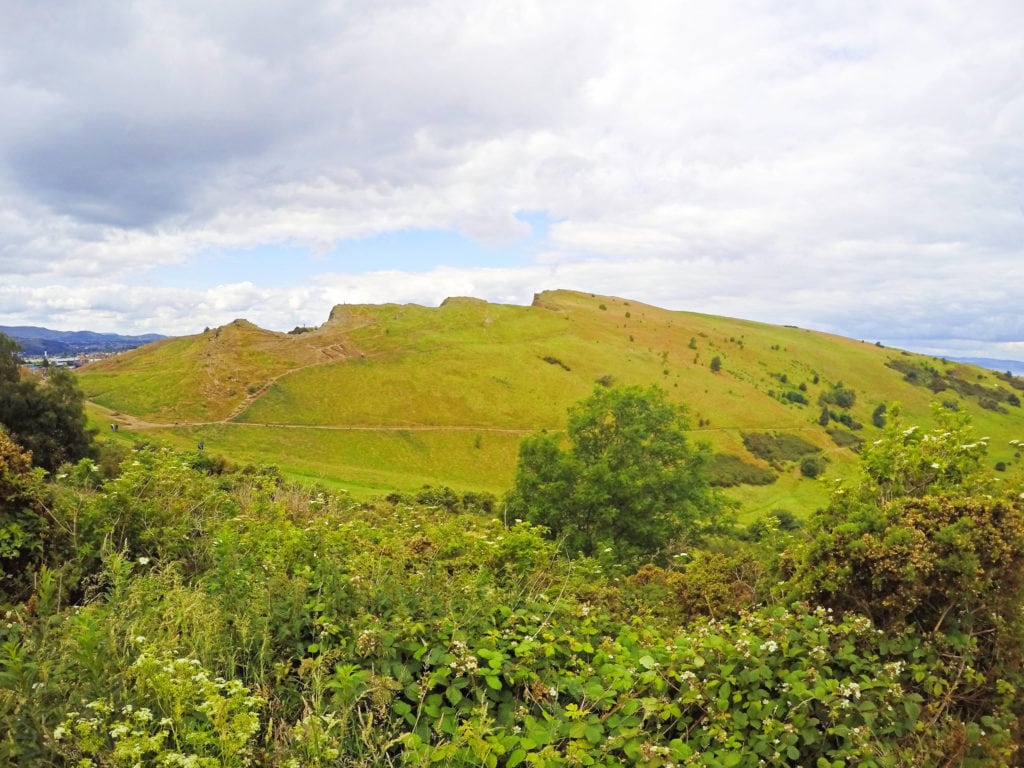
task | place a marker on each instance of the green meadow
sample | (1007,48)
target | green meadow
(387,398)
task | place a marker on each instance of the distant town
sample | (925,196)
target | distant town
(69,349)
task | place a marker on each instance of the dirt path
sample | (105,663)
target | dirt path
(127,421)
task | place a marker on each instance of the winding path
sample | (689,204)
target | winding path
(131,422)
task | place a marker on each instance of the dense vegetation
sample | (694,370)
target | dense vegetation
(44,415)
(171,615)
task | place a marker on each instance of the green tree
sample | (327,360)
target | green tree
(10,363)
(716,364)
(878,415)
(825,418)
(628,483)
(45,417)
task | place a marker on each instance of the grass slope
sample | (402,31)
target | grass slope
(391,396)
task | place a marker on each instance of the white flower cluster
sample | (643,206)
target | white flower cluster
(465,663)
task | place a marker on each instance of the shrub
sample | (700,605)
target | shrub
(23,524)
(878,415)
(795,396)
(812,467)
(551,360)
(178,714)
(726,470)
(778,447)
(845,439)
(838,395)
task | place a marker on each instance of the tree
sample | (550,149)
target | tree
(46,418)
(825,418)
(10,363)
(628,483)
(878,415)
(716,364)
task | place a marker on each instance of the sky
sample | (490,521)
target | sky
(856,168)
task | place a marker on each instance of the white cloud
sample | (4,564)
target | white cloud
(856,169)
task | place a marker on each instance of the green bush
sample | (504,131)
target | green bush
(812,467)
(878,415)
(795,396)
(23,521)
(838,395)
(845,439)
(778,447)
(726,470)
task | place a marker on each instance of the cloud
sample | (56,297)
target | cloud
(857,170)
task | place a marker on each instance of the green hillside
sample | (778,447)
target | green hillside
(391,397)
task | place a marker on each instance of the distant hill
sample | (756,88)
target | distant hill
(392,397)
(1016,367)
(35,340)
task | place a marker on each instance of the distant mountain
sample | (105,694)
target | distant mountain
(35,341)
(1016,367)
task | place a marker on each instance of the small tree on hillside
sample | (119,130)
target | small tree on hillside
(628,483)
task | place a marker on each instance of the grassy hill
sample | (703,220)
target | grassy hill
(391,397)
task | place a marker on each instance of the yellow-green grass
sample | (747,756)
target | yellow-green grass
(469,367)
(194,378)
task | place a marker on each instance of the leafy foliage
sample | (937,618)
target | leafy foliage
(629,482)
(924,374)
(920,545)
(183,618)
(812,466)
(22,520)
(838,395)
(778,447)
(726,470)
(845,439)
(45,418)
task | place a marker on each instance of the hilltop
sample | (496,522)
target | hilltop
(385,397)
